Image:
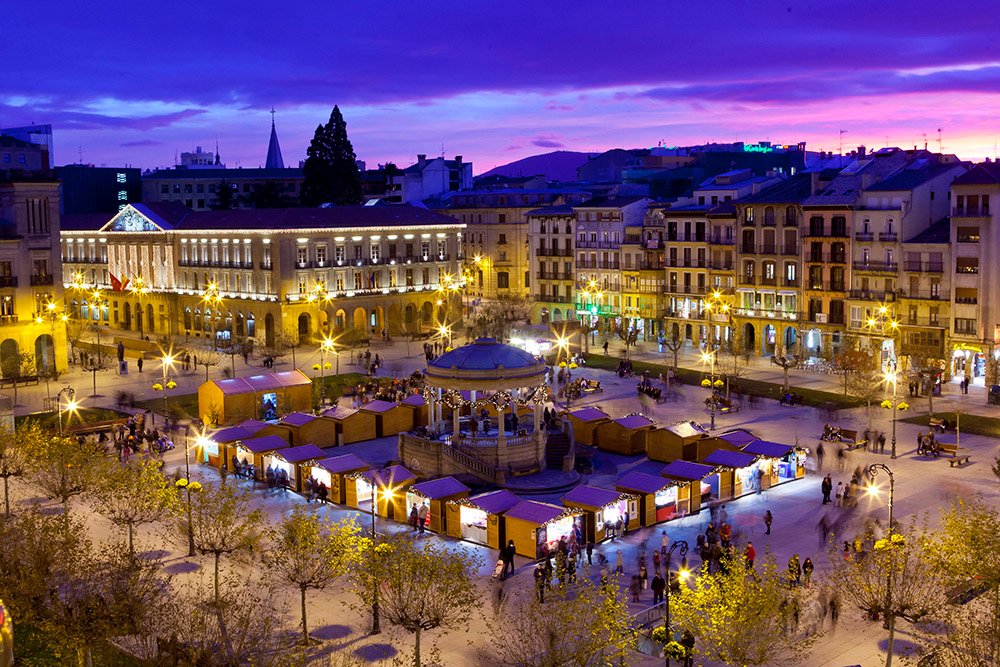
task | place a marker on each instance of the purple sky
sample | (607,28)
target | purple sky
(136,82)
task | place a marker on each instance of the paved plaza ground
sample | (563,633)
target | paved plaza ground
(923,486)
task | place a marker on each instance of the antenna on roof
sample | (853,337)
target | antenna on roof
(940,144)
(924,135)
(79,151)
(840,149)
(442,150)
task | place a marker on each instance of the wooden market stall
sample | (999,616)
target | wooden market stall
(390,418)
(332,473)
(390,486)
(416,404)
(602,509)
(480,518)
(306,428)
(692,490)
(351,425)
(776,463)
(211,448)
(624,436)
(265,397)
(536,528)
(677,441)
(295,461)
(657,496)
(738,437)
(252,452)
(435,493)
(585,422)
(736,473)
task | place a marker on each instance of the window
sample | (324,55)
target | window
(358,284)
(502,217)
(303,255)
(748,215)
(340,253)
(425,250)
(164,189)
(376,252)
(503,280)
(502,239)
(967,265)
(965,326)
(769,216)
(856,315)
(321,254)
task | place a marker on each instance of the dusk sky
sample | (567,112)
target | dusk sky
(136,82)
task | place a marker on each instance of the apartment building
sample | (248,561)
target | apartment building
(307,272)
(552,230)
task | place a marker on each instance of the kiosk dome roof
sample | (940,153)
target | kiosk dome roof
(485,354)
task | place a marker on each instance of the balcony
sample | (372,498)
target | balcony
(720,240)
(766,313)
(790,282)
(553,275)
(933,267)
(8,281)
(548,298)
(871,295)
(685,289)
(967,238)
(748,280)
(888,237)
(554,252)
(40,279)
(265,266)
(876,267)
(864,236)
(924,295)
(920,321)
(721,266)
(789,250)
(970,212)
(747,249)
(911,266)
(965,330)
(968,300)
(772,281)
(967,269)
(838,258)
(816,258)
(767,250)
(8,319)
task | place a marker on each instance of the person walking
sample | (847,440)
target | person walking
(750,554)
(422,518)
(590,552)
(826,487)
(540,582)
(664,543)
(619,562)
(807,571)
(634,587)
(839,496)
(658,585)
(768,518)
(507,555)
(414,518)
(138,364)
(820,455)
(794,571)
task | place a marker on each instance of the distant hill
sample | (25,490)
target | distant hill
(555,166)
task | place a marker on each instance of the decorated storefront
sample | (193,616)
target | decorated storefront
(305,428)
(387,487)
(603,510)
(657,496)
(333,471)
(692,490)
(479,518)
(217,448)
(294,462)
(265,397)
(435,494)
(776,463)
(736,473)
(677,441)
(252,452)
(536,528)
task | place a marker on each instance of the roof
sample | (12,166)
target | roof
(343,463)
(589,414)
(339,412)
(687,470)
(297,418)
(413,399)
(267,443)
(790,191)
(378,406)
(911,178)
(223,173)
(302,453)
(534,511)
(485,354)
(687,429)
(738,437)
(258,383)
(494,502)
(939,232)
(274,160)
(591,496)
(391,476)
(984,173)
(440,488)
(611,202)
(82,222)
(561,209)
(635,421)
(730,459)
(241,431)
(642,482)
(767,448)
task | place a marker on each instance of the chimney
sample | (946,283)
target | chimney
(421,159)
(814,182)
(458,159)
(861,151)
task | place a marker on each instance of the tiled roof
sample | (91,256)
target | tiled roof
(910,178)
(589,414)
(378,406)
(297,419)
(790,191)
(738,437)
(561,209)
(984,173)
(440,488)
(767,448)
(534,511)
(267,443)
(635,422)
(339,412)
(611,202)
(223,173)
(687,470)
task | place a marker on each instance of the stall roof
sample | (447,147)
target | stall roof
(302,453)
(296,419)
(378,406)
(391,476)
(258,383)
(267,443)
(241,431)
(738,437)
(413,399)
(635,421)
(767,448)
(642,482)
(589,414)
(688,470)
(687,429)
(591,496)
(495,502)
(343,463)
(339,412)
(729,459)
(535,512)
(440,488)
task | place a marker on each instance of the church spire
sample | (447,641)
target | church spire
(274,160)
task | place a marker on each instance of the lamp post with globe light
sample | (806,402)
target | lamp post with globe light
(387,495)
(682,574)
(894,405)
(890,543)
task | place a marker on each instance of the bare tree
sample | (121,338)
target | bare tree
(134,494)
(674,344)
(784,362)
(63,468)
(208,359)
(15,448)
(494,319)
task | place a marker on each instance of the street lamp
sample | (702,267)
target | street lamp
(213,301)
(893,405)
(326,345)
(708,357)
(890,617)
(166,384)
(682,574)
(189,486)
(70,406)
(444,332)
(386,496)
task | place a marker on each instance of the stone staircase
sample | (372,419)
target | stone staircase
(557,446)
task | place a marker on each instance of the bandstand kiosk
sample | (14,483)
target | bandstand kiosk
(484,385)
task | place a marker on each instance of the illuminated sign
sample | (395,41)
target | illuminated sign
(757,148)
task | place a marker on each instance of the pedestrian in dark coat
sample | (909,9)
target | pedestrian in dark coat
(768,518)
(658,584)
(827,487)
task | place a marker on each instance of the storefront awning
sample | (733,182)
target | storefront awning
(301,453)
(267,443)
(729,459)
(767,448)
(443,487)
(642,482)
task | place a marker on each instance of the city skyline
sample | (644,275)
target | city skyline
(503,82)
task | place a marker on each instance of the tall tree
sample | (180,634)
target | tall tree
(133,494)
(64,469)
(14,450)
(330,173)
(311,552)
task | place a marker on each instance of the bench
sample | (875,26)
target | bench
(723,405)
(851,438)
(941,424)
(958,461)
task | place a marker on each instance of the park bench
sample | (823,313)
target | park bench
(722,404)
(941,424)
(967,592)
(948,449)
(852,440)
(90,428)
(959,461)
